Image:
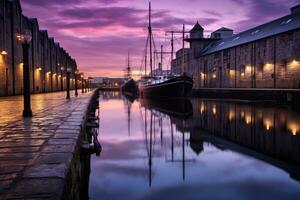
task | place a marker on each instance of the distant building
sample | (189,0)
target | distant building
(222,33)
(266,56)
(98,80)
(177,64)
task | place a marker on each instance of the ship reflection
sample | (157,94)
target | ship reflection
(267,134)
(158,114)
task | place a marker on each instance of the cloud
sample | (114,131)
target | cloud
(60,3)
(41,3)
(262,11)
(93,31)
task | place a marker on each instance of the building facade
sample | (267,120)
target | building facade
(267,56)
(48,61)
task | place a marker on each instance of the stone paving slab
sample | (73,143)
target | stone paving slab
(36,153)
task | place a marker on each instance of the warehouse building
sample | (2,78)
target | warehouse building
(48,61)
(267,56)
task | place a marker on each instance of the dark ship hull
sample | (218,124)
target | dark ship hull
(178,87)
(129,88)
(176,108)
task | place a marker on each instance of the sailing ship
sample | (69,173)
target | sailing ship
(162,85)
(129,87)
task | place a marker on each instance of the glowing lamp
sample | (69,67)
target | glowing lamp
(25,37)
(3,53)
(214,109)
(19,37)
(62,68)
(269,65)
(39,69)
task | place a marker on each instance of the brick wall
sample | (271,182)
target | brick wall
(252,65)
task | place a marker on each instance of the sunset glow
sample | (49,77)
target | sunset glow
(98,33)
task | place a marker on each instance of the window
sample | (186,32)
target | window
(260,67)
(243,68)
(221,43)
(255,32)
(236,38)
(283,64)
(286,22)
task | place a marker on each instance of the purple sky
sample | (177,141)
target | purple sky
(99,33)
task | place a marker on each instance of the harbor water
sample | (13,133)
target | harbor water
(195,149)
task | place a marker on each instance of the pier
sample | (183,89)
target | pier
(40,157)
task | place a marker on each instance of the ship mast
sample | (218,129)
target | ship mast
(128,66)
(183,51)
(150,38)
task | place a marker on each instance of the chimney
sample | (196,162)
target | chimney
(295,10)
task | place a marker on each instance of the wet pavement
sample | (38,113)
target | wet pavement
(195,149)
(35,153)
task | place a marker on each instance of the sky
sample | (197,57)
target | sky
(100,33)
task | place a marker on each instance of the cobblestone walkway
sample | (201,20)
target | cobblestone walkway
(35,153)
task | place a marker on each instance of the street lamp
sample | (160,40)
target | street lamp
(61,78)
(76,86)
(85,85)
(3,53)
(26,39)
(69,70)
(82,83)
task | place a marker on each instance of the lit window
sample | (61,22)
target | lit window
(286,22)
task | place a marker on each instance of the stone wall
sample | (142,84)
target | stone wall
(46,57)
(251,65)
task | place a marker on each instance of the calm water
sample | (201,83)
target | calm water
(197,149)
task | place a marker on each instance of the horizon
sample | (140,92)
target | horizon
(92,32)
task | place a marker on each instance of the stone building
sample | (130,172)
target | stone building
(267,56)
(46,57)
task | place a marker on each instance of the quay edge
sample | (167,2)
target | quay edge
(285,96)
(59,169)
(77,179)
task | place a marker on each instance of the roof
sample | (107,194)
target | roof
(223,29)
(17,2)
(281,25)
(34,22)
(197,27)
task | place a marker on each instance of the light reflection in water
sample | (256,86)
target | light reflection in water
(181,150)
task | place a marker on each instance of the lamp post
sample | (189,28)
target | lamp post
(4,54)
(69,69)
(61,78)
(76,86)
(26,38)
(85,86)
(82,83)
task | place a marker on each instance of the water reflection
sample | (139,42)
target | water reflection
(186,149)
